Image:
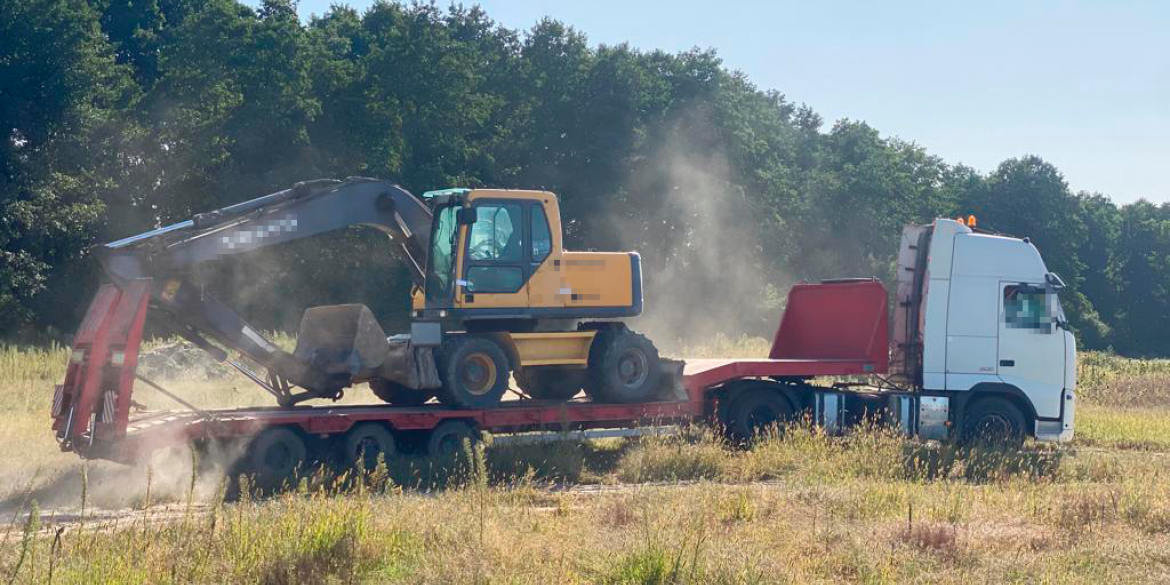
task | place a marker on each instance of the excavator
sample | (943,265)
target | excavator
(494,295)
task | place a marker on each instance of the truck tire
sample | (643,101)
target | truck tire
(394,393)
(993,421)
(754,412)
(448,443)
(474,371)
(274,457)
(550,382)
(623,367)
(365,443)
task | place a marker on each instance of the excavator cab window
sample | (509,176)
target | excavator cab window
(495,248)
(441,263)
(541,236)
(496,233)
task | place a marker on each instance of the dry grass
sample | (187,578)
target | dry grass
(869,507)
(1109,380)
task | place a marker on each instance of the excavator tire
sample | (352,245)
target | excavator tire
(623,367)
(474,370)
(550,382)
(394,393)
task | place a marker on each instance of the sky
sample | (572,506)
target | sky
(1085,85)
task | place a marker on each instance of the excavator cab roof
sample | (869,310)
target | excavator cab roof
(446,192)
(458,194)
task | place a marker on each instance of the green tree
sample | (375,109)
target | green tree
(120,115)
(61,95)
(1143,273)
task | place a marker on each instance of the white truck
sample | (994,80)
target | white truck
(980,347)
(985,313)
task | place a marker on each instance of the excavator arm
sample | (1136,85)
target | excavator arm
(168,255)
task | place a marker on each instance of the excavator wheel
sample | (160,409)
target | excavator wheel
(399,395)
(474,371)
(550,382)
(623,367)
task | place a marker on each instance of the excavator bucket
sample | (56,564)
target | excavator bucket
(342,339)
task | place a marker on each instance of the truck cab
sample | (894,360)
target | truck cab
(982,314)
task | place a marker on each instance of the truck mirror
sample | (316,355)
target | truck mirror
(1054,281)
(465,216)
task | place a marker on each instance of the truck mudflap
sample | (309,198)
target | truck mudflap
(93,403)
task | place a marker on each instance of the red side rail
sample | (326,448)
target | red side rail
(93,404)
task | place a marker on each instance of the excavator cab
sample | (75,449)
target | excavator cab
(497,255)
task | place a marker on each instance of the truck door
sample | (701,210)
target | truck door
(1031,346)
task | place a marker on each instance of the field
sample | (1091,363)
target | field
(869,507)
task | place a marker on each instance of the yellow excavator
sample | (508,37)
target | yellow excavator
(495,294)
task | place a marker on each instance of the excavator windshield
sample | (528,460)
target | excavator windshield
(441,262)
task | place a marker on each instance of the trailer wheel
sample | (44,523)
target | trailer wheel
(274,457)
(474,371)
(993,421)
(394,393)
(449,440)
(365,442)
(550,382)
(755,412)
(623,367)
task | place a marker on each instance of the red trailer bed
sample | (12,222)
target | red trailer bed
(831,329)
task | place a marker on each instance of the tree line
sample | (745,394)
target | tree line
(122,115)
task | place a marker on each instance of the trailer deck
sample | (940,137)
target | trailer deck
(91,409)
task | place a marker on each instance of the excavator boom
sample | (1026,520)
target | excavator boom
(307,209)
(166,256)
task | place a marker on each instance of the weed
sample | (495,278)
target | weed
(932,537)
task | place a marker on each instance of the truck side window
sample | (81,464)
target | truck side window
(1029,307)
(541,237)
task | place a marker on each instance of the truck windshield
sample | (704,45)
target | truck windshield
(440,264)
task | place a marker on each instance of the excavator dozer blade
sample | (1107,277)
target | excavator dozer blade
(342,339)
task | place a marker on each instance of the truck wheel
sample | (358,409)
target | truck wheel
(448,440)
(274,457)
(623,367)
(365,442)
(474,371)
(394,393)
(755,412)
(993,421)
(550,382)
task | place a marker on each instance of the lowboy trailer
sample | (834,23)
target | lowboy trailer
(978,349)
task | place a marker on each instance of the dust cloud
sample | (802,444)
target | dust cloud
(705,269)
(171,474)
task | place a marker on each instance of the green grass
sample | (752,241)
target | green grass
(1124,428)
(803,507)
